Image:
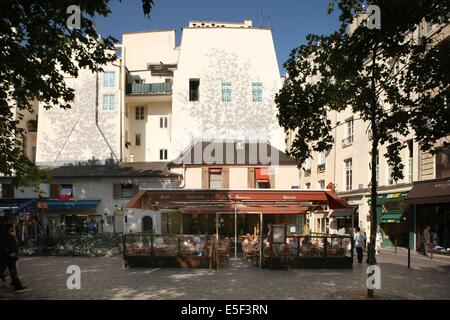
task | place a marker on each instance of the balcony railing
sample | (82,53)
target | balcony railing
(347,141)
(149,88)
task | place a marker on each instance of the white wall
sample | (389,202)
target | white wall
(215,55)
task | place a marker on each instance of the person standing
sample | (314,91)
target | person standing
(378,242)
(9,252)
(360,240)
(426,240)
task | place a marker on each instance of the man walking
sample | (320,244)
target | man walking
(426,240)
(360,240)
(9,254)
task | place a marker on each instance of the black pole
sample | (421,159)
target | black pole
(409,257)
(395,243)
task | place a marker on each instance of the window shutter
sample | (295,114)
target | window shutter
(54,190)
(251,178)
(205,178)
(272,181)
(225,177)
(116,191)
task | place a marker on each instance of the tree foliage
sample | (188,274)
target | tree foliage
(393,78)
(335,72)
(38,51)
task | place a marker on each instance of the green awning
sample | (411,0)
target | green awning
(392,216)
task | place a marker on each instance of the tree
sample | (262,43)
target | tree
(390,79)
(39,47)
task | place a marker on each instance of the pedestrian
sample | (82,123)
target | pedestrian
(426,240)
(378,242)
(9,254)
(359,239)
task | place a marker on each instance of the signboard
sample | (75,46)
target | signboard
(278,233)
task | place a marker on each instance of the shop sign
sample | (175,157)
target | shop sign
(42,205)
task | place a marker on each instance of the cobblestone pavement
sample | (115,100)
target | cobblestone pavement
(104,278)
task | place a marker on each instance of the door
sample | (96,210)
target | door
(147,224)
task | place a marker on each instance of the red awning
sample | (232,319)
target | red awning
(262,174)
(266,209)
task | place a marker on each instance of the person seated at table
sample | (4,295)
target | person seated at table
(306,241)
(158,241)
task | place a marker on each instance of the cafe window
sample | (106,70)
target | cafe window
(215,178)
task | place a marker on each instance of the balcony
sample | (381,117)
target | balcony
(307,172)
(149,88)
(347,141)
(321,167)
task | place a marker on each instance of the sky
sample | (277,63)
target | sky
(291,20)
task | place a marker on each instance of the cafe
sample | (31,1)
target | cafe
(263,226)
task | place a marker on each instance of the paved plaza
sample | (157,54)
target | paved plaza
(104,278)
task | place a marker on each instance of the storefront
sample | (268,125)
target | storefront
(392,219)
(71,216)
(196,217)
(430,206)
(343,219)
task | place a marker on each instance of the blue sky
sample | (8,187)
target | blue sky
(291,20)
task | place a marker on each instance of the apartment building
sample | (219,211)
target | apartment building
(155,102)
(346,168)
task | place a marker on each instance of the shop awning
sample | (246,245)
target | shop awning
(262,174)
(16,205)
(342,213)
(71,204)
(431,191)
(392,216)
(265,209)
(31,203)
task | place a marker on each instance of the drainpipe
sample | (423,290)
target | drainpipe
(96,117)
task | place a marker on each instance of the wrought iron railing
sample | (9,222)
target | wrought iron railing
(149,88)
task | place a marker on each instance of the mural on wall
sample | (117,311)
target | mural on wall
(238,119)
(75,134)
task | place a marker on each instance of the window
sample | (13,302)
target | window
(391,181)
(137,139)
(126,191)
(321,161)
(194,85)
(410,160)
(257,92)
(348,174)
(348,140)
(140,112)
(7,191)
(215,178)
(66,190)
(108,102)
(109,79)
(321,184)
(443,163)
(162,154)
(307,185)
(163,122)
(307,166)
(226,91)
